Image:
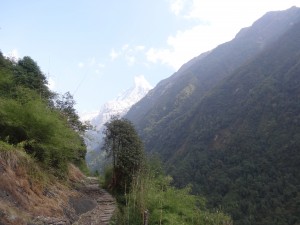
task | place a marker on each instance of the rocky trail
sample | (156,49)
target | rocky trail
(91,205)
(95,207)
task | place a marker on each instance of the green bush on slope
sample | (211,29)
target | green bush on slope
(28,118)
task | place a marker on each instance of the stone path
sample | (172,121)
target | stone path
(104,208)
(92,206)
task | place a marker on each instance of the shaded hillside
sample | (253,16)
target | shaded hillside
(229,122)
(174,95)
(243,144)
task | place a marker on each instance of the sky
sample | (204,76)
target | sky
(95,48)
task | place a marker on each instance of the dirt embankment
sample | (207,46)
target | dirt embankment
(29,198)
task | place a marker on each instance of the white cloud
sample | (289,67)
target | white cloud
(125,47)
(91,64)
(91,61)
(176,6)
(128,53)
(155,55)
(113,54)
(130,60)
(101,65)
(219,21)
(81,65)
(187,44)
(139,48)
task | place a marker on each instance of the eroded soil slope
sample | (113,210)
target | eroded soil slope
(28,196)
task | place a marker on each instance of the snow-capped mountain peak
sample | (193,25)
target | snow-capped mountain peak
(134,94)
(118,106)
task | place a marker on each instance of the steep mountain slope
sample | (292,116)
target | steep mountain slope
(243,144)
(174,95)
(228,122)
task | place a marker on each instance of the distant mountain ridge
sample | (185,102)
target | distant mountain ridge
(228,122)
(205,71)
(118,106)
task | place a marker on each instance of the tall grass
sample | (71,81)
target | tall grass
(16,158)
(153,193)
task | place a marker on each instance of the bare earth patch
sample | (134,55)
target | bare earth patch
(25,200)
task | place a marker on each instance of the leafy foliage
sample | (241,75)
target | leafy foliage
(152,192)
(28,117)
(65,104)
(122,143)
(28,74)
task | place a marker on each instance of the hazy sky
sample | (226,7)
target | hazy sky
(95,48)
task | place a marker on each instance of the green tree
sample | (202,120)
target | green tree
(28,74)
(124,146)
(65,104)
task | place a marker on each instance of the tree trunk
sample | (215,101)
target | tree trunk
(146,216)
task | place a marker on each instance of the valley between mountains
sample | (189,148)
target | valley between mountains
(216,143)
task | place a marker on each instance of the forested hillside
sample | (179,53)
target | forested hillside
(43,123)
(41,139)
(174,95)
(228,122)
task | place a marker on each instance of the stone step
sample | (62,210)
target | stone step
(106,204)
